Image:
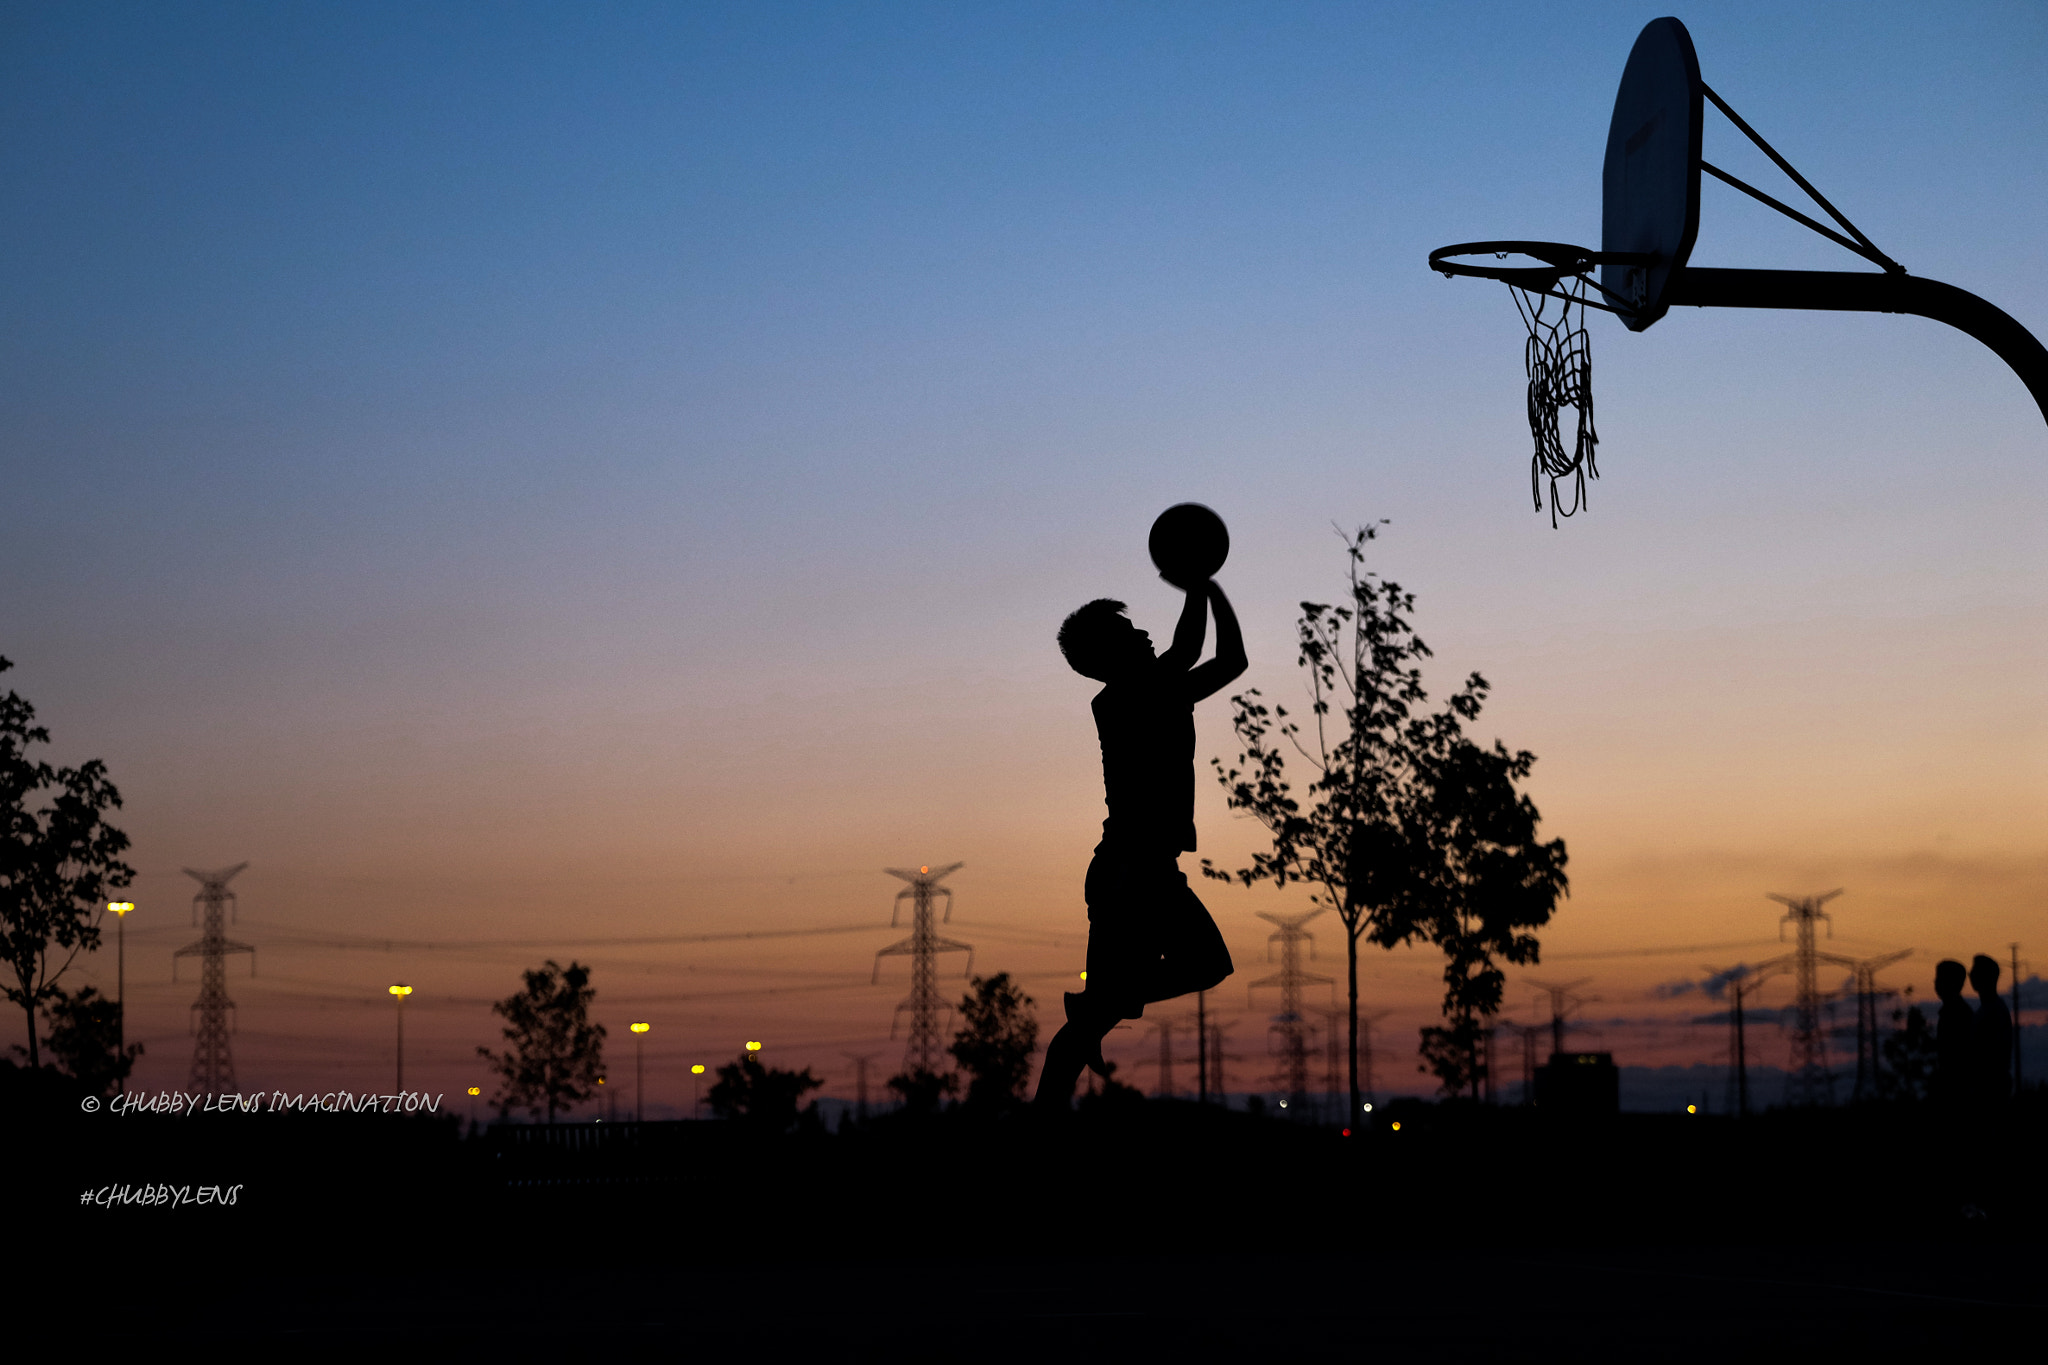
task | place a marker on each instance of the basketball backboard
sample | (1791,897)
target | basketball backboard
(1650,184)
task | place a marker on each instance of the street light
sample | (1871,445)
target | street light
(474,1091)
(696,1080)
(639,1072)
(398,994)
(753,1047)
(121,910)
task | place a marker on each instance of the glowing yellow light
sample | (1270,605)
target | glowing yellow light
(401,991)
(1084,976)
(474,1091)
(120,907)
(925,868)
(753,1047)
(600,1080)
(639,1028)
(1397,1125)
(1692,1109)
(697,1070)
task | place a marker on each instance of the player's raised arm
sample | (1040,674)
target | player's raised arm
(1190,631)
(1230,662)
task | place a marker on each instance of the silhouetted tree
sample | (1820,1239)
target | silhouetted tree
(1909,1057)
(58,860)
(1451,1052)
(1409,830)
(556,1053)
(923,1092)
(85,1040)
(763,1097)
(997,1038)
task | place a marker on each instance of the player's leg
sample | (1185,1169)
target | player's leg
(1192,954)
(1116,956)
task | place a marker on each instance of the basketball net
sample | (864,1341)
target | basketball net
(1559,359)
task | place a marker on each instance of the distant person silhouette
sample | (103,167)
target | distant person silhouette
(1149,936)
(1993,1033)
(1955,1039)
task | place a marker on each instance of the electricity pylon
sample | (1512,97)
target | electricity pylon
(1866,1018)
(1810,1081)
(1562,1003)
(1741,982)
(1288,1023)
(1219,1082)
(213,1060)
(923,1002)
(1165,1027)
(860,1062)
(1526,1034)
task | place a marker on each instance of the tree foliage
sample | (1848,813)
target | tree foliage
(58,860)
(1909,1057)
(555,1054)
(923,1092)
(84,1040)
(1406,828)
(763,1097)
(996,1041)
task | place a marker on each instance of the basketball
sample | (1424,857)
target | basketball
(1189,544)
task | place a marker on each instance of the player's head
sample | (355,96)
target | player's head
(1984,974)
(1948,979)
(1100,641)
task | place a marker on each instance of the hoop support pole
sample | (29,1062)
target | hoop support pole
(1856,291)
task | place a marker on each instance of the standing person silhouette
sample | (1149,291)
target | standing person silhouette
(1955,1039)
(1993,1034)
(1149,936)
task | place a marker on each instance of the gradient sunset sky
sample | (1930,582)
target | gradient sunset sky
(528,477)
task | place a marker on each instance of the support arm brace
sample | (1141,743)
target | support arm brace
(1855,291)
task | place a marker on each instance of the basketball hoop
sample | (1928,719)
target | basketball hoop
(1558,357)
(1649,224)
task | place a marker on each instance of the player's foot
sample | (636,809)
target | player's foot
(1081,1014)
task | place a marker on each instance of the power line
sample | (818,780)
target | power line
(367,943)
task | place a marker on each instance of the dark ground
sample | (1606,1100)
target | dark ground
(1146,1228)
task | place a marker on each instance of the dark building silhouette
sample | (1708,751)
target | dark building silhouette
(1579,1083)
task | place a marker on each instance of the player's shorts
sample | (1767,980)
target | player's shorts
(1150,938)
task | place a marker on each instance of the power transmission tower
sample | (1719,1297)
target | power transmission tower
(1165,1027)
(213,1060)
(1288,1023)
(1866,1018)
(1336,1093)
(1365,1023)
(1810,1081)
(1742,983)
(1562,1003)
(923,1002)
(1202,1041)
(1527,1034)
(1219,1081)
(860,1062)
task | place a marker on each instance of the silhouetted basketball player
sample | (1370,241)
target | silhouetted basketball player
(1993,1033)
(1955,1040)
(1149,936)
